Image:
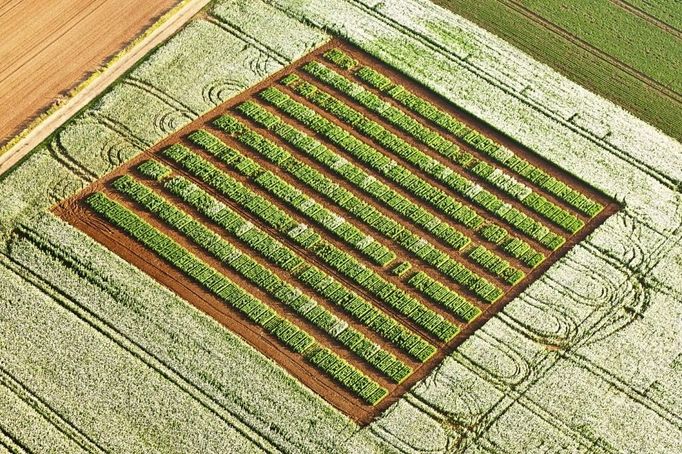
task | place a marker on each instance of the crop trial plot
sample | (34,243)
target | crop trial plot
(345,221)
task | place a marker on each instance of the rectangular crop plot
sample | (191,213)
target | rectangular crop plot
(343,220)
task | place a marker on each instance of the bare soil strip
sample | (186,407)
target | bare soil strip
(74,211)
(41,37)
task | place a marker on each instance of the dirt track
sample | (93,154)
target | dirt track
(47,50)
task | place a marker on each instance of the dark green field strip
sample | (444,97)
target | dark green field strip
(667,11)
(289,261)
(494,176)
(366,212)
(338,260)
(261,277)
(419,160)
(288,334)
(573,61)
(365,182)
(621,35)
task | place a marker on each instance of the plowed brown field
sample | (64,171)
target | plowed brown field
(48,47)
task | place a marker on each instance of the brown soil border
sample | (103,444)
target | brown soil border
(74,212)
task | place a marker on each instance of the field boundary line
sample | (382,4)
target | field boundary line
(86,92)
(138,351)
(48,413)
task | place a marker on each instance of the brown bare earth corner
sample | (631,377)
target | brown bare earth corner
(77,212)
(46,50)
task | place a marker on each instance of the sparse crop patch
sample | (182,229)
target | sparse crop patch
(345,221)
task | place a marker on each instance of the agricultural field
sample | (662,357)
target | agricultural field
(370,228)
(624,50)
(88,36)
(299,222)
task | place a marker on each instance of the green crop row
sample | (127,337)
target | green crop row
(304,204)
(154,169)
(479,141)
(364,211)
(390,294)
(242,263)
(341,59)
(537,202)
(496,265)
(375,319)
(277,253)
(401,268)
(444,147)
(346,374)
(442,295)
(360,179)
(552,185)
(288,334)
(397,173)
(397,146)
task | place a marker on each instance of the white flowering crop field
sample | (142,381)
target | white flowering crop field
(101,352)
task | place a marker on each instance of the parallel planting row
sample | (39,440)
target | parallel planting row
(347,218)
